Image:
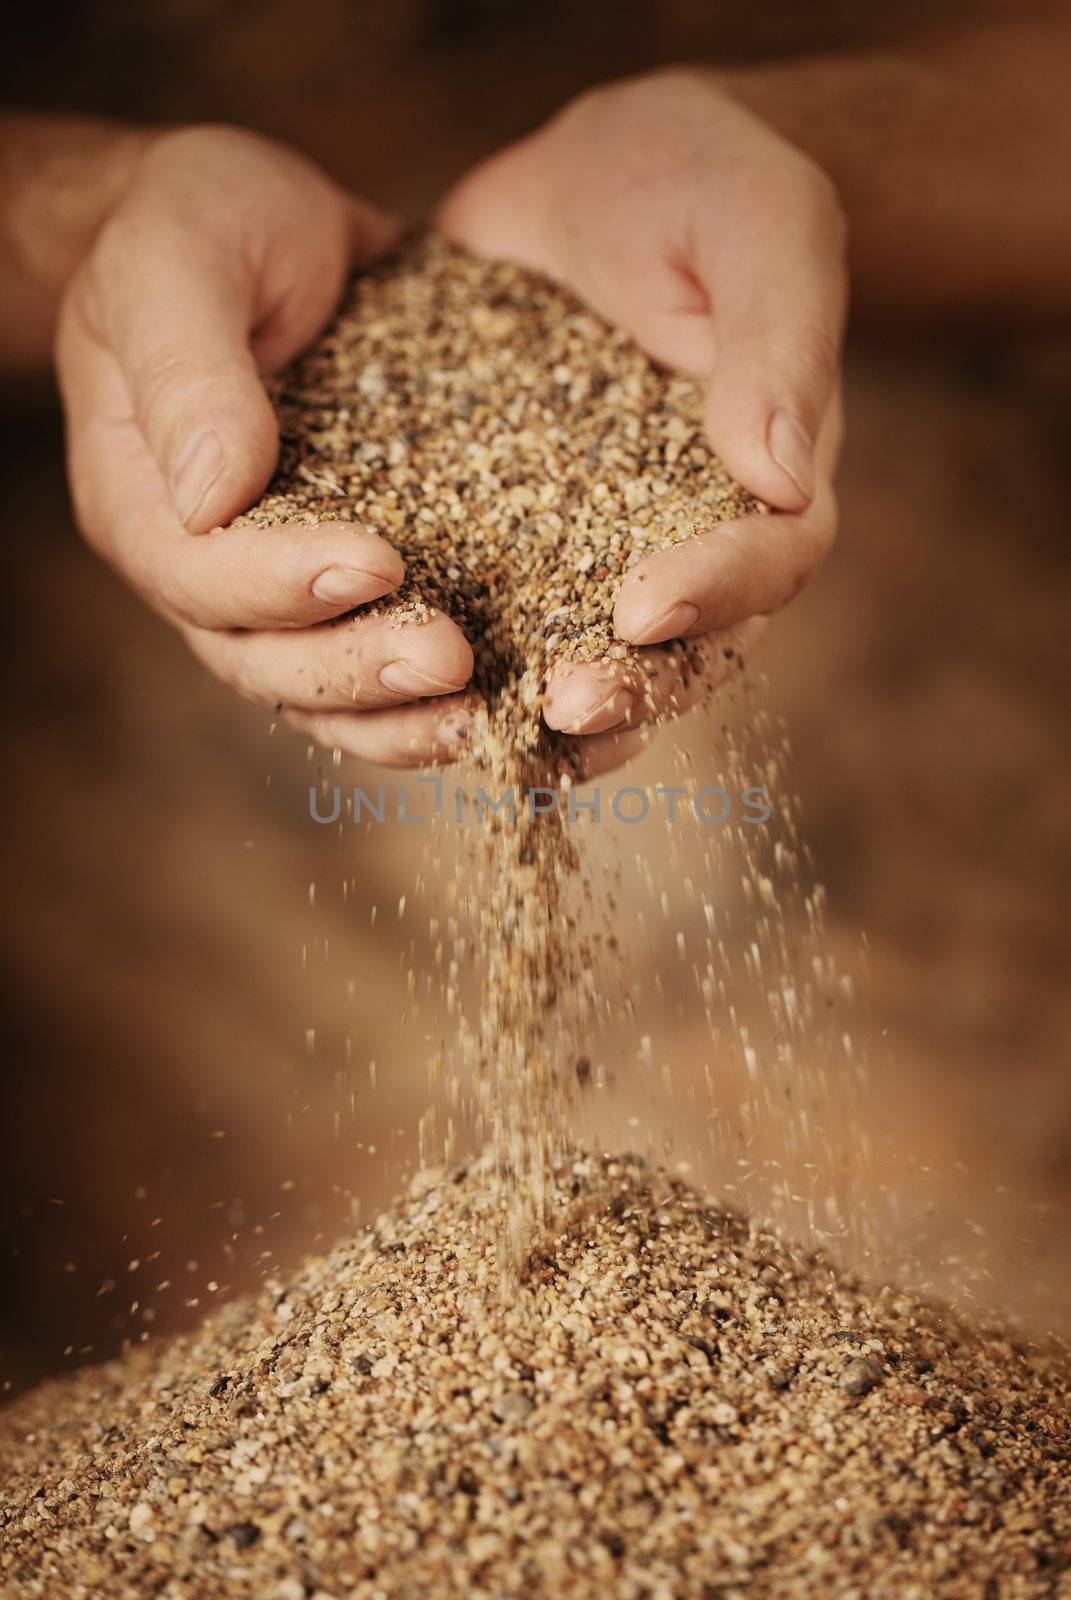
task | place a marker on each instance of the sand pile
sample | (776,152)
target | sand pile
(672,1404)
(521,455)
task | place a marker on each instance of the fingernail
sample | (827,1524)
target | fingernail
(197,466)
(619,703)
(404,678)
(793,449)
(669,624)
(456,728)
(350,586)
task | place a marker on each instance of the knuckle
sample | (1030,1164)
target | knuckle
(169,586)
(738,574)
(159,371)
(248,689)
(589,105)
(828,215)
(225,658)
(245,175)
(270,600)
(819,529)
(204,178)
(201,144)
(400,748)
(81,309)
(826,530)
(112,264)
(822,190)
(817,350)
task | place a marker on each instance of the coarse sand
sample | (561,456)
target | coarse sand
(535,1377)
(672,1404)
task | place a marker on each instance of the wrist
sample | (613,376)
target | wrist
(919,142)
(843,112)
(60,177)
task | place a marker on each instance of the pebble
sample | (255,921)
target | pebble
(513,1406)
(244,1534)
(779,1376)
(860,1376)
(141,1517)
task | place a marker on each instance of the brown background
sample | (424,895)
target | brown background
(165,1100)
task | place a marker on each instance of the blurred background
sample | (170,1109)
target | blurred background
(212,1065)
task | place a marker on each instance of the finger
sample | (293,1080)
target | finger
(591,698)
(776,284)
(237,577)
(600,753)
(739,569)
(418,735)
(360,663)
(177,313)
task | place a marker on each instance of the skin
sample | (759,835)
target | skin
(658,201)
(224,257)
(218,256)
(705,212)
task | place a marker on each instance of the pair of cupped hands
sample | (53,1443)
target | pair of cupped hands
(664,204)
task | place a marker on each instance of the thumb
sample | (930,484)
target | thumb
(777,292)
(175,314)
(178,308)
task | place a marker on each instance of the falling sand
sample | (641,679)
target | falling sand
(522,456)
(541,1375)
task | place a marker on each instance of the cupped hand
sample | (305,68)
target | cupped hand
(677,214)
(222,259)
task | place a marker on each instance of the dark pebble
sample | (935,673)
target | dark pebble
(244,1534)
(778,1376)
(860,1376)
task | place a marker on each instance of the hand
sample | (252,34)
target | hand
(222,258)
(679,215)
